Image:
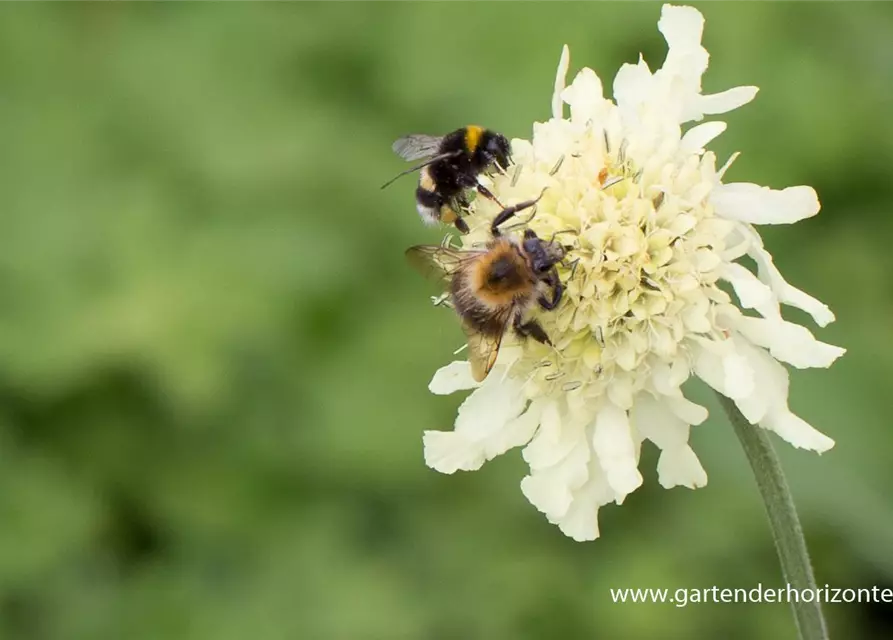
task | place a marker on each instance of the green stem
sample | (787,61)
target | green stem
(785,524)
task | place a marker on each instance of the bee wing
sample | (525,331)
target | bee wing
(437,262)
(417,146)
(483,349)
(442,263)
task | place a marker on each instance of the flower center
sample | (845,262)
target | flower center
(640,271)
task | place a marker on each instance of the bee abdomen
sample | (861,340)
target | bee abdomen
(474,310)
(428,204)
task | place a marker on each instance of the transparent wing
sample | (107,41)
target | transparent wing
(438,262)
(417,146)
(483,349)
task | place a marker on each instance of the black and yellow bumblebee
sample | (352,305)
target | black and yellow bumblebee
(497,285)
(451,168)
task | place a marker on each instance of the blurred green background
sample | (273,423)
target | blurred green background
(213,360)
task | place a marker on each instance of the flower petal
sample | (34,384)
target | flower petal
(797,431)
(680,75)
(682,27)
(456,376)
(751,292)
(551,443)
(558,457)
(771,383)
(761,205)
(448,452)
(768,404)
(632,88)
(616,452)
(585,97)
(688,411)
(560,79)
(516,433)
(768,273)
(551,490)
(788,342)
(490,407)
(668,377)
(581,520)
(654,421)
(721,367)
(680,466)
(696,138)
(478,436)
(725,101)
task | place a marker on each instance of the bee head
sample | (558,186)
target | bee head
(542,255)
(497,149)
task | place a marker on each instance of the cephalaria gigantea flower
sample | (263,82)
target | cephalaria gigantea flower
(654,234)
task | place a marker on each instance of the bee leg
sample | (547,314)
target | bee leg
(508,212)
(449,214)
(531,329)
(484,191)
(553,281)
(458,206)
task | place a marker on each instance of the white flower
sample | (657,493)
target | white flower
(655,231)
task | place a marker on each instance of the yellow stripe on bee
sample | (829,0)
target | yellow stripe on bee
(473,135)
(426,182)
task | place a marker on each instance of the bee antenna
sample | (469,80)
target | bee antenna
(442,156)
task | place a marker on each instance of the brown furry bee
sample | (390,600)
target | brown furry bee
(490,287)
(452,165)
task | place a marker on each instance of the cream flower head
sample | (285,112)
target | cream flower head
(654,232)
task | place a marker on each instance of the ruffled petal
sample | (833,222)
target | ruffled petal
(632,88)
(761,205)
(585,97)
(696,138)
(487,425)
(616,451)
(768,404)
(788,342)
(655,419)
(768,273)
(682,27)
(558,456)
(688,411)
(456,376)
(550,489)
(680,466)
(580,522)
(552,442)
(723,368)
(449,452)
(655,422)
(797,431)
(751,292)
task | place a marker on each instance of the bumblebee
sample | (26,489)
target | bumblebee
(496,285)
(451,168)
